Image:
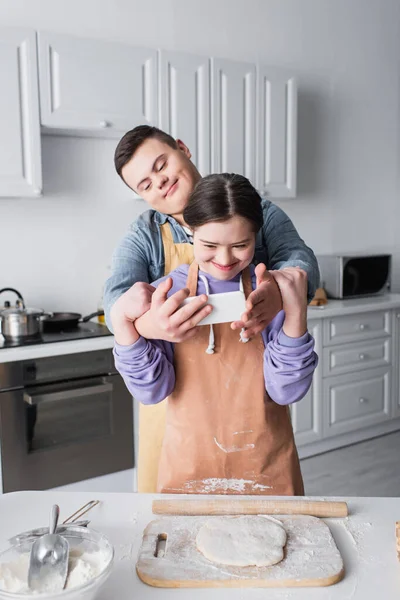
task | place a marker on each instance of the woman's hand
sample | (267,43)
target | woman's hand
(262,305)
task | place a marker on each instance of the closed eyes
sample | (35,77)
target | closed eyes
(159,168)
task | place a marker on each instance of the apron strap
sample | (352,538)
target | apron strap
(168,245)
(247,285)
(166,232)
(192,278)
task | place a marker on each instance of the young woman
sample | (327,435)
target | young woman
(228,427)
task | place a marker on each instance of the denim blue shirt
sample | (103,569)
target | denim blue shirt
(140,255)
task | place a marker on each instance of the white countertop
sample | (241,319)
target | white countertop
(366,540)
(56,348)
(355,305)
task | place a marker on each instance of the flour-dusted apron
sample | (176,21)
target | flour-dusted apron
(152,418)
(224,435)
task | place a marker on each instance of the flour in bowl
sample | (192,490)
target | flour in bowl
(82,568)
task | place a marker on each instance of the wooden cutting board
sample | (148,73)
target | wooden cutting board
(311,557)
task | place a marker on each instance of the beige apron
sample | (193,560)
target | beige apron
(152,418)
(224,435)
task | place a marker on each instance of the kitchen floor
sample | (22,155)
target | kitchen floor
(370,468)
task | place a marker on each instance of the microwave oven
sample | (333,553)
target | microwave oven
(355,275)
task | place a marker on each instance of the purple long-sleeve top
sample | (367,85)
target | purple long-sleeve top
(147,366)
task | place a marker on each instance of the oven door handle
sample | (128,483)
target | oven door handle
(34,399)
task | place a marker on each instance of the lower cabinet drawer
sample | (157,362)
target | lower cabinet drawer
(357,327)
(348,358)
(356,401)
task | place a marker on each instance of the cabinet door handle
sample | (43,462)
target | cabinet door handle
(362,327)
(104,124)
(363,400)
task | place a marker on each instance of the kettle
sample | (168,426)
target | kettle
(19,322)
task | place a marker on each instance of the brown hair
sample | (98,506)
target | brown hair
(133,139)
(222,196)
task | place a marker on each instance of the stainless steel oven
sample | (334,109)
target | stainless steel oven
(63,419)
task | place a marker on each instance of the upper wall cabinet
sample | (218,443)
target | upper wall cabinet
(233,116)
(276,133)
(233,109)
(184,103)
(20,158)
(102,88)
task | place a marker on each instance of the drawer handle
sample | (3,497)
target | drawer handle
(362,357)
(104,124)
(362,327)
(363,400)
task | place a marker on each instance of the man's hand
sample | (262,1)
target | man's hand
(292,282)
(262,305)
(166,320)
(131,305)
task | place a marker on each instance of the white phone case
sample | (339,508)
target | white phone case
(227,307)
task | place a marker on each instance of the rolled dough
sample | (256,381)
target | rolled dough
(242,541)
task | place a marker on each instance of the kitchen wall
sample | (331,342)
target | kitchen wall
(346,55)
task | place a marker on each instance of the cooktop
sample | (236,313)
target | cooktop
(82,331)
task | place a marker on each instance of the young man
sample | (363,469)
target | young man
(159,169)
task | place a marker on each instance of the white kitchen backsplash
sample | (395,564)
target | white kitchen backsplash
(56,249)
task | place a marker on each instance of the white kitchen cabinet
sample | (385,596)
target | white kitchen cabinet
(358,380)
(346,358)
(276,133)
(184,103)
(358,327)
(307,413)
(357,384)
(101,88)
(20,150)
(233,110)
(357,400)
(396,364)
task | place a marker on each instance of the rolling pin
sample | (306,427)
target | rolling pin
(228,506)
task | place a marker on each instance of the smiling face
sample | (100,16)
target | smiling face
(163,176)
(224,248)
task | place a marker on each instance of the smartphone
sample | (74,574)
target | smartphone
(227,307)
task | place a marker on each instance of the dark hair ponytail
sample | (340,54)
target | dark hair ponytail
(222,196)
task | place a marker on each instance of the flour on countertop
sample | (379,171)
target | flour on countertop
(124,551)
(361,536)
(82,568)
(356,531)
